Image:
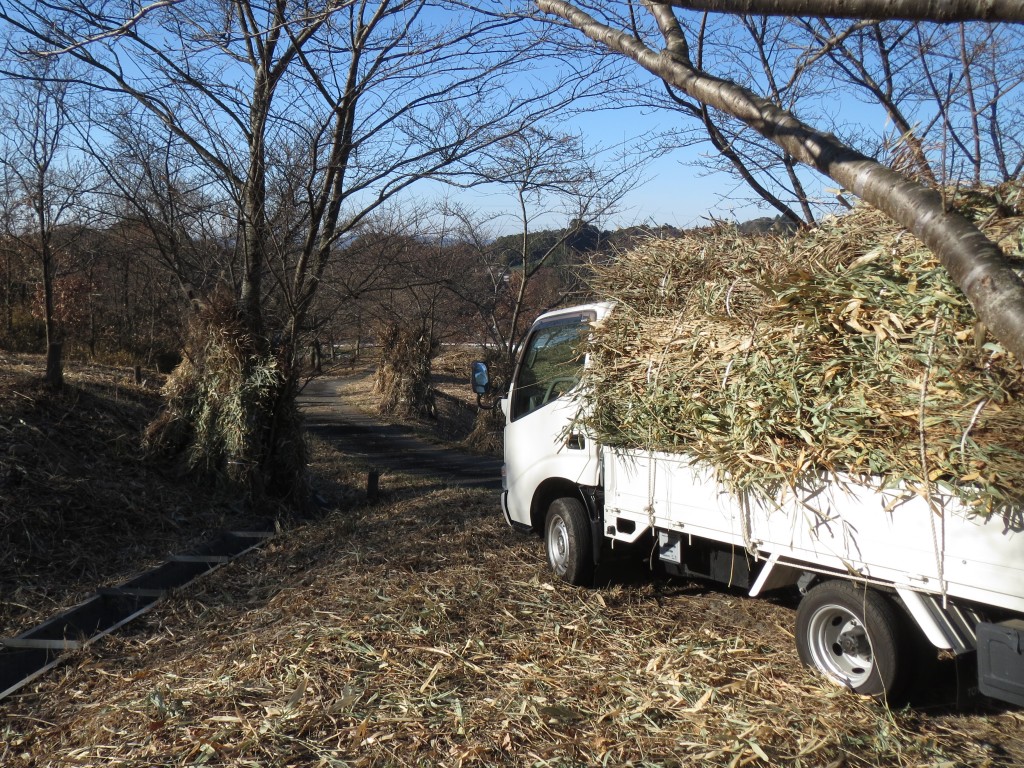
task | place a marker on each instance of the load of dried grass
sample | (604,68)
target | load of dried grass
(845,349)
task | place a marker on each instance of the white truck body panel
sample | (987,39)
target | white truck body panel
(536,450)
(874,535)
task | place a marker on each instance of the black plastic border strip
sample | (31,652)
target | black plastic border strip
(34,652)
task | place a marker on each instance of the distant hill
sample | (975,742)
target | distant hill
(778,224)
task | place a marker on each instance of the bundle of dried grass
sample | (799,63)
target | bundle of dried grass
(230,408)
(846,349)
(403,375)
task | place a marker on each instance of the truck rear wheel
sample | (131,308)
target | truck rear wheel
(568,541)
(853,635)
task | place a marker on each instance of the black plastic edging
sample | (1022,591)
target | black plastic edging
(32,653)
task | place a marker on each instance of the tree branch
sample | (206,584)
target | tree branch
(942,11)
(974,262)
(121,29)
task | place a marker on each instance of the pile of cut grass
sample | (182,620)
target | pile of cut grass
(844,350)
(230,409)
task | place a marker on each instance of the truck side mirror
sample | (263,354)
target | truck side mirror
(482,385)
(481,381)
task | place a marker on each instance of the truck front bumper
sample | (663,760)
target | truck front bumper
(508,515)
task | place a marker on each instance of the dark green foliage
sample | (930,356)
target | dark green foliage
(582,238)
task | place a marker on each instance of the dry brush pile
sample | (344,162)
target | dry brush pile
(845,349)
(230,408)
(403,376)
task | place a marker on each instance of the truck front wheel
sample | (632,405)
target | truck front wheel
(568,541)
(852,634)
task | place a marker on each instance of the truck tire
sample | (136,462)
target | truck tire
(854,635)
(568,541)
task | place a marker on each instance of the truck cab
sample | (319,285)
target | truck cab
(547,452)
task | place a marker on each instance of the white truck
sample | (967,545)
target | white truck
(864,559)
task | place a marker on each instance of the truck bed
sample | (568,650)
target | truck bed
(882,536)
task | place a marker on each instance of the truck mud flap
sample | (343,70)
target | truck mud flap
(597,538)
(1001,660)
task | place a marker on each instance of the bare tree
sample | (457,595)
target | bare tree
(974,263)
(543,171)
(419,312)
(332,110)
(878,59)
(973,78)
(950,97)
(760,54)
(153,184)
(951,93)
(752,51)
(43,185)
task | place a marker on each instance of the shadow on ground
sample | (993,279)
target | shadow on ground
(389,446)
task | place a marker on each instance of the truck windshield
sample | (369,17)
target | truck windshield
(550,365)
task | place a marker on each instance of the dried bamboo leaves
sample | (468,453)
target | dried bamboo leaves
(843,349)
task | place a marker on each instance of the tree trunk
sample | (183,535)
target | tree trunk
(911,10)
(976,264)
(316,358)
(254,206)
(8,295)
(54,365)
(231,408)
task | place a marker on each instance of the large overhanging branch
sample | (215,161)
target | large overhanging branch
(122,29)
(911,10)
(974,262)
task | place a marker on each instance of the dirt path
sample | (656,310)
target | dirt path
(327,405)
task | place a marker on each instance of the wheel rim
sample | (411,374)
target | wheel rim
(840,646)
(558,545)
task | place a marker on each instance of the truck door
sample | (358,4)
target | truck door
(541,440)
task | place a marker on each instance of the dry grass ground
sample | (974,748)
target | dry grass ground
(79,505)
(421,631)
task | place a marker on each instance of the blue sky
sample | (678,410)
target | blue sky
(672,188)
